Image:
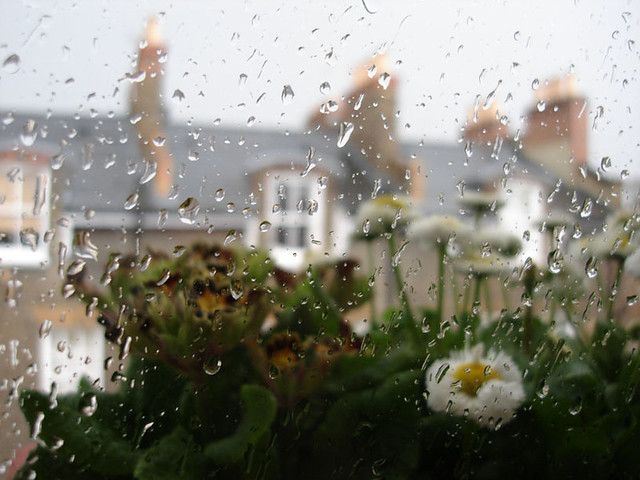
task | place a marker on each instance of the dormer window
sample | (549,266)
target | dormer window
(25,187)
(297,213)
(294,201)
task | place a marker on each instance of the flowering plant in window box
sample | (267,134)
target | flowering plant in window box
(237,369)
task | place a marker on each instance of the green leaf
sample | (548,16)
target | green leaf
(258,413)
(174,456)
(93,443)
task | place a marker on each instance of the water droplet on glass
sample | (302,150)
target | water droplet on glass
(37,425)
(371,71)
(242,80)
(188,211)
(88,404)
(541,106)
(543,389)
(554,261)
(384,79)
(83,247)
(76,267)
(163,216)
(265,226)
(68,290)
(395,261)
(164,277)
(535,84)
(366,227)
(11,64)
(145,262)
(442,371)
(159,141)
(250,121)
(468,149)
(177,96)
(587,208)
(132,201)
(310,163)
(57,161)
(576,407)
(346,129)
(287,95)
(232,235)
(219,195)
(212,365)
(150,170)
(598,115)
(322,182)
(325,88)
(28,133)
(45,328)
(29,237)
(605,163)
(591,267)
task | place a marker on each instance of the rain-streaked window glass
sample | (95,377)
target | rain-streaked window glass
(326,240)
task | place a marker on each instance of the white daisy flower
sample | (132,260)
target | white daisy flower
(382,215)
(486,389)
(618,238)
(438,229)
(482,201)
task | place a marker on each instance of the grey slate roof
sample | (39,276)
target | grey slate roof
(102,167)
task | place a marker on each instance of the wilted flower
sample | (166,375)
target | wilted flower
(382,215)
(487,389)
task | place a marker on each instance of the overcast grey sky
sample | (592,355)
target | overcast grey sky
(74,56)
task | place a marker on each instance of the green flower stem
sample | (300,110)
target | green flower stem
(634,380)
(476,292)
(505,297)
(442,250)
(465,299)
(402,292)
(454,291)
(372,267)
(613,291)
(487,292)
(527,336)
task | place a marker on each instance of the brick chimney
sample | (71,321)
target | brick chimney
(371,108)
(146,102)
(556,134)
(484,126)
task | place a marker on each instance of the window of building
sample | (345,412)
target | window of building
(25,187)
(295,202)
(69,354)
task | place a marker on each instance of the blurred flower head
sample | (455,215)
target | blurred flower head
(438,229)
(487,389)
(383,215)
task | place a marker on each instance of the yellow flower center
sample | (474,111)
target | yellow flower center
(471,376)
(388,200)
